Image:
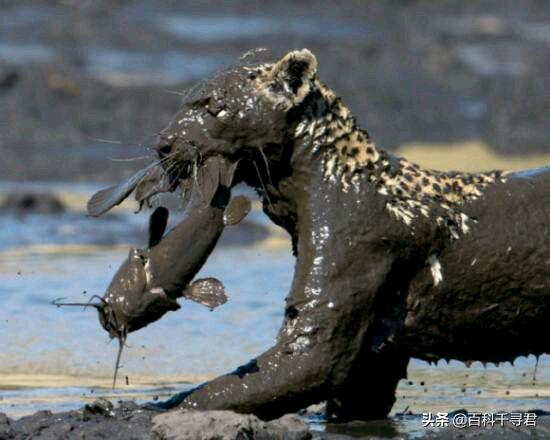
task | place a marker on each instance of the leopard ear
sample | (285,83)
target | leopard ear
(293,74)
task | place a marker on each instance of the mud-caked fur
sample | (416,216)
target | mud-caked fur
(393,260)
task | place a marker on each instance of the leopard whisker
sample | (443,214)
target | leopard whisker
(262,183)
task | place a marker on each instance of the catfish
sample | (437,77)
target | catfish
(149,281)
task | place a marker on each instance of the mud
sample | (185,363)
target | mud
(95,421)
(126,420)
(418,72)
(226,425)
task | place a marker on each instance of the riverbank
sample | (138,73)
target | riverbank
(90,88)
(102,419)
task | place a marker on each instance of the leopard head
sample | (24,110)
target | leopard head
(249,109)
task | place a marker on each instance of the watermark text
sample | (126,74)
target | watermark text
(486,420)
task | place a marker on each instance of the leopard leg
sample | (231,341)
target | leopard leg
(319,345)
(369,391)
(273,384)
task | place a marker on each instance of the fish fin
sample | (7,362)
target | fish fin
(163,299)
(157,225)
(212,176)
(186,192)
(228,173)
(236,210)
(206,291)
(157,181)
(208,180)
(103,200)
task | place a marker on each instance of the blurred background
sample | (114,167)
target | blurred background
(443,73)
(85,86)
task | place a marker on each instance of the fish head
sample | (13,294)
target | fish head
(130,302)
(122,297)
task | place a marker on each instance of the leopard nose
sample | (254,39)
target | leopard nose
(164,145)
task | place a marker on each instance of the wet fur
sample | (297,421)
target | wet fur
(393,260)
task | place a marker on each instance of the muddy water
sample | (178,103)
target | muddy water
(55,357)
(187,346)
(61,358)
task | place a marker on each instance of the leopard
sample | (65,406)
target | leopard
(393,260)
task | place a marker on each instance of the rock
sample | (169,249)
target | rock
(227,425)
(127,406)
(9,78)
(100,406)
(4,425)
(32,425)
(291,425)
(32,203)
(127,421)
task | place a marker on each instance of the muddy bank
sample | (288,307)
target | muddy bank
(101,419)
(94,421)
(86,86)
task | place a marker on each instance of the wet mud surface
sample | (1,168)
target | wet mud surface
(94,421)
(83,84)
(126,420)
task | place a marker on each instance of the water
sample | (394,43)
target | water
(222,28)
(131,68)
(61,358)
(25,53)
(186,346)
(48,351)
